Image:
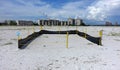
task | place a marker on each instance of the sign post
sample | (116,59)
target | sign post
(18,34)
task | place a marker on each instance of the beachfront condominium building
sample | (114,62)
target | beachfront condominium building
(24,23)
(71,21)
(78,21)
(54,22)
(48,22)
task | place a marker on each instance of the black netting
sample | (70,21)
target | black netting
(22,43)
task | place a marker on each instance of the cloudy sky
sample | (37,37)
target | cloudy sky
(88,10)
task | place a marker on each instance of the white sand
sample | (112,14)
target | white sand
(49,52)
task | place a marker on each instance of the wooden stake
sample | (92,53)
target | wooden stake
(33,29)
(100,33)
(85,33)
(67,40)
(41,28)
(76,30)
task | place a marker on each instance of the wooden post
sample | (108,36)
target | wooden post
(28,31)
(41,28)
(85,33)
(76,27)
(76,30)
(100,33)
(59,29)
(33,29)
(67,40)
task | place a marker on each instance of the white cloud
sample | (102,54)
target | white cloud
(98,10)
(29,9)
(102,9)
(70,9)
